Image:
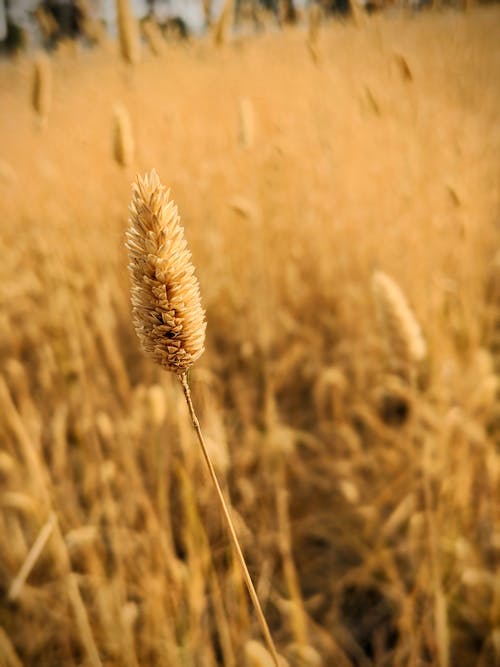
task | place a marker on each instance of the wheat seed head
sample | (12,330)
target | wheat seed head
(166,306)
(401,326)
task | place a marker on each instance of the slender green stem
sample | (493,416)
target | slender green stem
(246,575)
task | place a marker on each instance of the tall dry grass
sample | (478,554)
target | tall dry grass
(367,506)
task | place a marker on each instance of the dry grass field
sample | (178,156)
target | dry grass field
(364,477)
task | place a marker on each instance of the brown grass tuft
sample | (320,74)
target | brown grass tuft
(168,315)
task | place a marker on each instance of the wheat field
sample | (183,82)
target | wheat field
(342,203)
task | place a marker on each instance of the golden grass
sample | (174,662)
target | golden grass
(369,504)
(169,318)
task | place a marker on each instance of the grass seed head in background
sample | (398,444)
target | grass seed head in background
(258,656)
(247,123)
(314,16)
(128,30)
(154,37)
(42,86)
(167,311)
(123,138)
(222,25)
(406,345)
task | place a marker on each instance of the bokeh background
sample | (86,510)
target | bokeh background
(337,173)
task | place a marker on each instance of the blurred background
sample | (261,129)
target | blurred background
(336,168)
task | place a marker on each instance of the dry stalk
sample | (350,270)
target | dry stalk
(221,27)
(82,620)
(493,313)
(440,604)
(8,655)
(46,22)
(169,318)
(356,12)
(32,557)
(128,31)
(207,12)
(27,450)
(314,22)
(154,37)
(298,616)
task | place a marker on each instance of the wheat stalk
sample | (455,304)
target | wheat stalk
(406,344)
(314,22)
(128,31)
(207,12)
(154,37)
(168,315)
(221,27)
(32,557)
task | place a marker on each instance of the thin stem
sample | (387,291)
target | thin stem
(440,608)
(246,575)
(32,557)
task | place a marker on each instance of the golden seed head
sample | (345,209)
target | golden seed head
(403,332)
(166,306)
